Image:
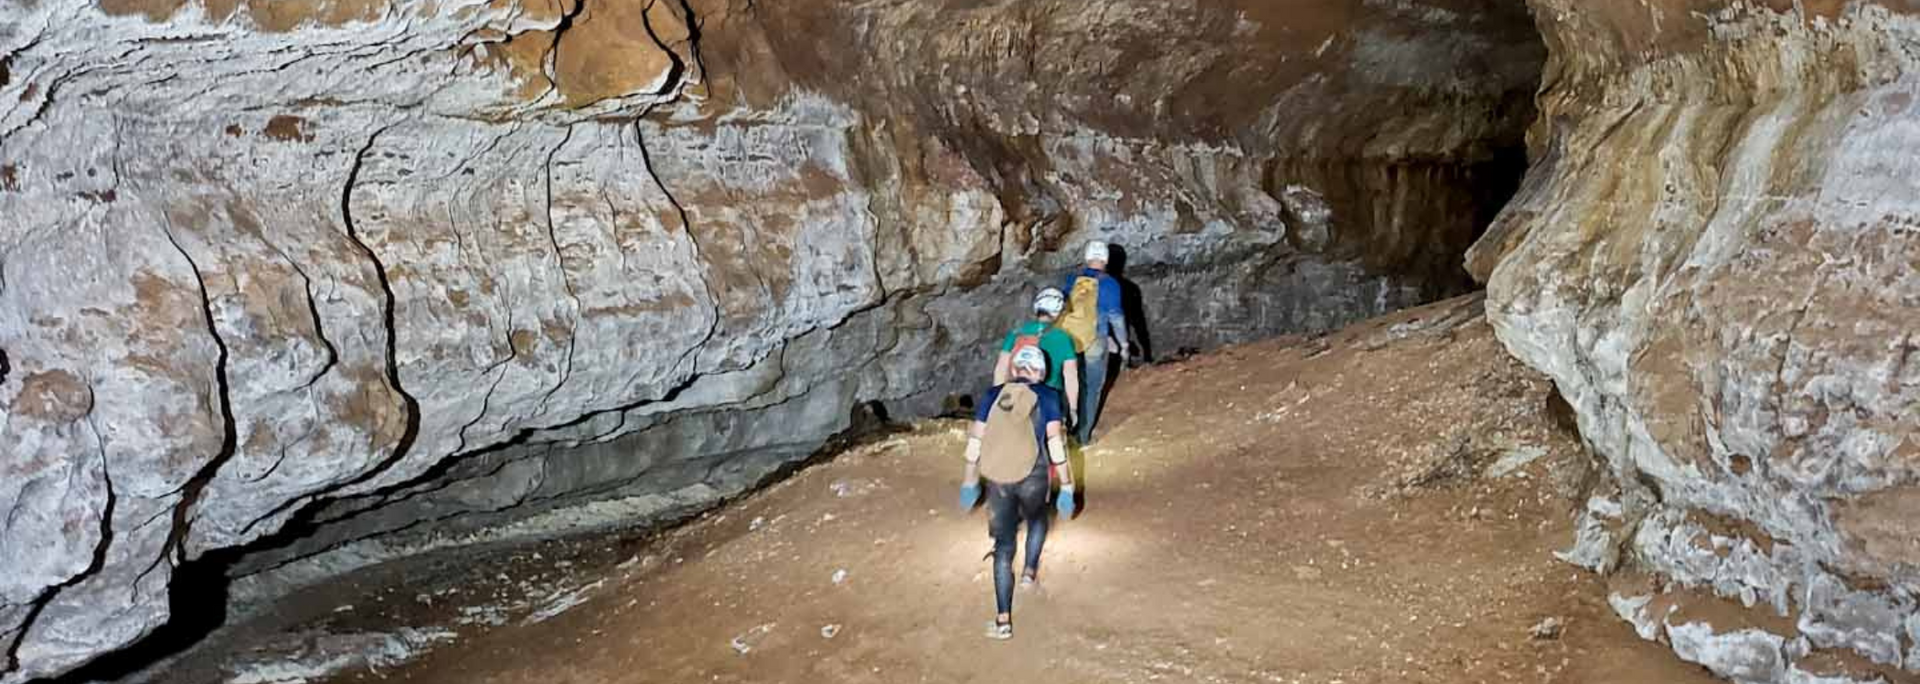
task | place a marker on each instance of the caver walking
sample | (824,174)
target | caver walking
(1017,434)
(1063,366)
(1096,319)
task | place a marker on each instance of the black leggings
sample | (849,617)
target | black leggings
(1007,505)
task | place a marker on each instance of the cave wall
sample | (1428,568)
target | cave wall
(1714,256)
(371,266)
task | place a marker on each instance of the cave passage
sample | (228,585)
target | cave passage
(446,371)
(614,341)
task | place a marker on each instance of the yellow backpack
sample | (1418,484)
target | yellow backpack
(1083,312)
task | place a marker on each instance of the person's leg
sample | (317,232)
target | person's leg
(1003,523)
(1033,496)
(1093,379)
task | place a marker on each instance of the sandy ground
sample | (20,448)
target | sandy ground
(1300,510)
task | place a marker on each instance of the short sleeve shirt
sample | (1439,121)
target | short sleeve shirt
(1054,342)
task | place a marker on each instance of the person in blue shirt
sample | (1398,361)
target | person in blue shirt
(1016,438)
(1096,319)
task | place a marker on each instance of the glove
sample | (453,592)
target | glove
(969,495)
(1065,502)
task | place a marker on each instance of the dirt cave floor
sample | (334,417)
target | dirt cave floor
(1375,505)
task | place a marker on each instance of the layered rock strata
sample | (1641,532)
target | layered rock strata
(295,273)
(1714,257)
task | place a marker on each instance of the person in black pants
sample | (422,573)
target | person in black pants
(1016,439)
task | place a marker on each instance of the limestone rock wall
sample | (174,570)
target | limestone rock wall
(277,276)
(1714,256)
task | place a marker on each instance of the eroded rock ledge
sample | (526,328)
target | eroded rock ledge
(1714,258)
(371,265)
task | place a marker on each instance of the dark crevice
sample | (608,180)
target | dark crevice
(486,402)
(1496,182)
(11,662)
(46,100)
(198,592)
(197,484)
(412,430)
(693,241)
(6,76)
(551,60)
(190,618)
(303,524)
(676,67)
(319,328)
(693,38)
(279,459)
(566,281)
(412,407)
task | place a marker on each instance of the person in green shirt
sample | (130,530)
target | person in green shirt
(1063,365)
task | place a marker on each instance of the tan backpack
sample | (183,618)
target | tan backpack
(1008,449)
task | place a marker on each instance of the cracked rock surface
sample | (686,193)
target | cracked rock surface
(280,276)
(1713,256)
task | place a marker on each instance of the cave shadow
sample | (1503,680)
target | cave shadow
(957,405)
(197,607)
(1133,307)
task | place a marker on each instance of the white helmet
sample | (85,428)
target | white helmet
(1030,358)
(1050,301)
(1096,251)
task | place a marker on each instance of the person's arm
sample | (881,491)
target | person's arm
(970,478)
(1066,503)
(1070,373)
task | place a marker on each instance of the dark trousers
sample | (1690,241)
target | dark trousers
(1007,506)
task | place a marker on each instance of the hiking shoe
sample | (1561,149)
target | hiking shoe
(1000,631)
